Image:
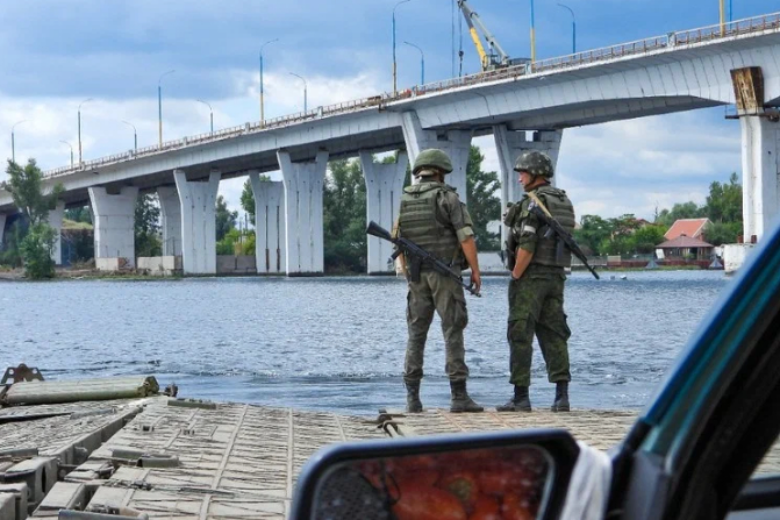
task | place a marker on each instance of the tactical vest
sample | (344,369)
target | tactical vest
(552,251)
(420,222)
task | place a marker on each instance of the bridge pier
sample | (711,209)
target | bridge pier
(170,212)
(384,186)
(457,144)
(55,221)
(509,145)
(2,229)
(270,236)
(114,217)
(760,171)
(198,222)
(303,213)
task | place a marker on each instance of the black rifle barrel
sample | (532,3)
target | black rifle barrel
(410,248)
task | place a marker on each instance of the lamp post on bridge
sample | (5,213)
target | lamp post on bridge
(13,145)
(422,62)
(573,29)
(262,100)
(211,116)
(395,65)
(159,104)
(81,160)
(305,108)
(533,34)
(135,135)
(71,152)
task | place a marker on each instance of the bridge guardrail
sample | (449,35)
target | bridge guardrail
(639,47)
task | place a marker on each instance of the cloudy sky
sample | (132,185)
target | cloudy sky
(58,53)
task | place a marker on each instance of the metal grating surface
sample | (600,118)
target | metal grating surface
(235,461)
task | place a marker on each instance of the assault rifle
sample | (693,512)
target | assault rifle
(538,209)
(417,255)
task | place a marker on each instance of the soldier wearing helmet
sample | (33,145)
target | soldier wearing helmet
(537,262)
(433,216)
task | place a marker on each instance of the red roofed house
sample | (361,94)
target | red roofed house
(690,227)
(686,238)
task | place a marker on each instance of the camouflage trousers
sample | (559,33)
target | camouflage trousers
(435,292)
(536,308)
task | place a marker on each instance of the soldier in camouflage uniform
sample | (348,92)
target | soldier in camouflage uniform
(433,216)
(537,262)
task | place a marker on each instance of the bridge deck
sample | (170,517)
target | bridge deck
(209,460)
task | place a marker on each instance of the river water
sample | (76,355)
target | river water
(337,344)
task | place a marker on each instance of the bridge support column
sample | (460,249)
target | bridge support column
(384,186)
(457,144)
(760,172)
(170,211)
(510,145)
(114,217)
(198,222)
(2,229)
(270,236)
(303,213)
(55,221)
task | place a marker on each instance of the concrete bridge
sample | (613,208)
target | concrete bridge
(735,64)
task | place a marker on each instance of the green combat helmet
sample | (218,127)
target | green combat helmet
(431,158)
(535,163)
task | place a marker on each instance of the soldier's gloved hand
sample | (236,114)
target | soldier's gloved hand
(476,280)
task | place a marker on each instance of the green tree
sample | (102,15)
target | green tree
(718,233)
(82,214)
(680,210)
(483,204)
(593,231)
(26,187)
(147,226)
(724,203)
(248,198)
(344,222)
(647,237)
(226,219)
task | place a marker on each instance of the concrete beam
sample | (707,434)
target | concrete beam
(384,186)
(55,221)
(509,146)
(760,172)
(270,236)
(170,211)
(303,213)
(198,222)
(457,144)
(114,217)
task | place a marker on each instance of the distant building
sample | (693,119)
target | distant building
(686,247)
(689,227)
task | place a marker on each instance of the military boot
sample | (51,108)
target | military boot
(561,403)
(519,403)
(413,403)
(461,402)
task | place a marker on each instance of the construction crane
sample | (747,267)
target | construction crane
(497,58)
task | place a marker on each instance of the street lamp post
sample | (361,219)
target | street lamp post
(211,116)
(395,65)
(159,104)
(262,93)
(305,108)
(573,29)
(135,135)
(71,152)
(422,62)
(13,144)
(533,34)
(81,160)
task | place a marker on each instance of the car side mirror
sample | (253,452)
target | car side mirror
(517,475)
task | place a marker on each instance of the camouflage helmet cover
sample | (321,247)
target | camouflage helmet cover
(432,157)
(535,163)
